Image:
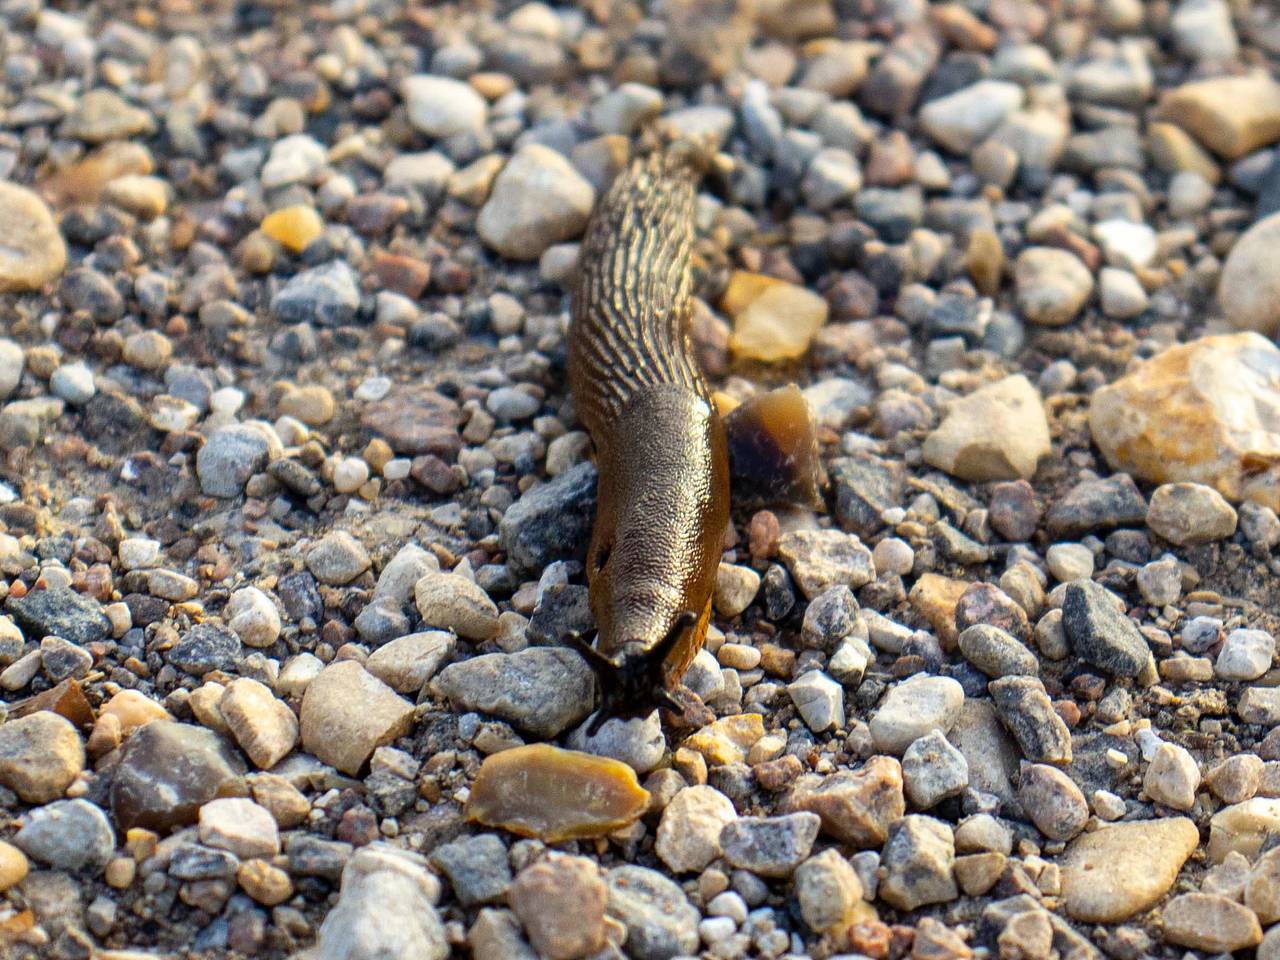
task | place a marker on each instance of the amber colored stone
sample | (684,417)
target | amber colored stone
(293,227)
(773,447)
(85,181)
(66,700)
(555,794)
(728,739)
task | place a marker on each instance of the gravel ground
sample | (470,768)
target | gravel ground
(293,498)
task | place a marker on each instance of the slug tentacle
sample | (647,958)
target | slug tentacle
(661,448)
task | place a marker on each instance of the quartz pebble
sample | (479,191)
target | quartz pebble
(347,712)
(1204,921)
(690,829)
(34,252)
(912,709)
(561,903)
(999,432)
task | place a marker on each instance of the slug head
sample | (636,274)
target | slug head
(633,683)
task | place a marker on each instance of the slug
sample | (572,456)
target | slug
(663,452)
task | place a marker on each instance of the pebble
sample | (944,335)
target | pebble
(1100,633)
(537,200)
(917,863)
(477,868)
(253,617)
(819,700)
(1205,921)
(1069,561)
(240,827)
(168,772)
(132,709)
(551,521)
(34,253)
(1172,777)
(769,846)
(828,890)
(856,806)
(728,739)
(264,727)
(1236,779)
(1190,513)
(933,770)
(453,602)
(1026,711)
(996,653)
(204,648)
(912,709)
(1119,871)
(638,741)
(961,120)
(1053,801)
(998,432)
(293,159)
(407,663)
(347,713)
(442,107)
(229,458)
(327,296)
(1247,290)
(68,835)
(1231,115)
(561,903)
(659,920)
(773,320)
(1212,386)
(294,228)
(1245,655)
(689,832)
(265,883)
(736,587)
(386,909)
(337,558)
(61,612)
(544,690)
(1242,827)
(1120,294)
(40,756)
(73,382)
(1052,285)
(820,559)
(12,362)
(13,866)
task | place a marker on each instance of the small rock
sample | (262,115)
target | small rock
(1190,513)
(769,846)
(736,587)
(1026,711)
(914,708)
(1100,633)
(932,770)
(68,835)
(1172,777)
(1231,115)
(962,120)
(659,920)
(537,200)
(1052,284)
(441,106)
(688,837)
(253,617)
(1120,293)
(327,295)
(917,862)
(239,826)
(386,909)
(337,558)
(544,690)
(265,727)
(40,756)
(34,252)
(13,866)
(1116,872)
(1055,804)
(856,807)
(1236,779)
(204,648)
(229,458)
(561,902)
(1069,561)
(1204,921)
(1246,655)
(819,699)
(550,522)
(772,320)
(407,663)
(996,653)
(638,742)
(998,432)
(477,868)
(828,890)
(347,712)
(455,603)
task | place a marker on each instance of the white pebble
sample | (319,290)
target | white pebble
(350,475)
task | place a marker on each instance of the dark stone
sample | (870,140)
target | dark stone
(311,856)
(954,315)
(1100,633)
(295,477)
(1026,711)
(168,772)
(1095,504)
(205,647)
(550,522)
(865,486)
(477,868)
(59,612)
(191,861)
(300,596)
(987,604)
(564,609)
(91,291)
(779,592)
(146,609)
(1015,510)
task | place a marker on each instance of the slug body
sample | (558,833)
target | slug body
(661,448)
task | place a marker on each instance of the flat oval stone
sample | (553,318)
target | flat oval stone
(32,251)
(554,794)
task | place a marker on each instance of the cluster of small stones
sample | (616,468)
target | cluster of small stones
(292,497)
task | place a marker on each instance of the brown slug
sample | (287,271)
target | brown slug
(662,449)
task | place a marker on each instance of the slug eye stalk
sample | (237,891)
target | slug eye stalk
(633,684)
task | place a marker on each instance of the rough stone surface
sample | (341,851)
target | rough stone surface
(347,712)
(998,432)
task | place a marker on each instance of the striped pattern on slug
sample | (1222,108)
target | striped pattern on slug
(661,449)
